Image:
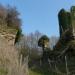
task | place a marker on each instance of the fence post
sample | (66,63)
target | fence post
(67,71)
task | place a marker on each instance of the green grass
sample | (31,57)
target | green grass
(3,72)
(31,72)
(40,71)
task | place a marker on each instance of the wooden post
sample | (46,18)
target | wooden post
(67,71)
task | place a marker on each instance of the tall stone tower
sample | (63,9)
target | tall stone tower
(67,22)
(64,21)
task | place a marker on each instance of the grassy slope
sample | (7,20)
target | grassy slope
(40,72)
(43,70)
(61,67)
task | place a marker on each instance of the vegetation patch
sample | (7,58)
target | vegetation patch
(3,71)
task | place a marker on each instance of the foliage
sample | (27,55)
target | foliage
(9,16)
(64,20)
(3,71)
(22,47)
(43,41)
(18,36)
(12,18)
(28,45)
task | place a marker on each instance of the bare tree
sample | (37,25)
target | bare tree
(12,18)
(3,14)
(53,41)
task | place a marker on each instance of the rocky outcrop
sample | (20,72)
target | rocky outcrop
(8,34)
(10,38)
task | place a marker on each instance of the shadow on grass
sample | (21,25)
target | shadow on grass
(41,71)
